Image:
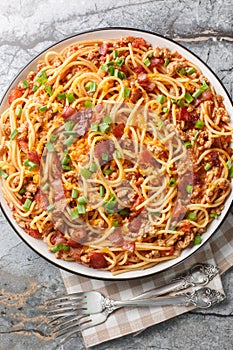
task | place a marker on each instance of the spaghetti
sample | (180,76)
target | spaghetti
(116,154)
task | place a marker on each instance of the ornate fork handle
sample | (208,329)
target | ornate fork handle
(201,298)
(198,276)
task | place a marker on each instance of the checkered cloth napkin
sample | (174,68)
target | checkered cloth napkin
(218,251)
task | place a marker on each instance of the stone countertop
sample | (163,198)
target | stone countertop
(26,28)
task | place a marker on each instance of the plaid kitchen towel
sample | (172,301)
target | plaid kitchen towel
(218,251)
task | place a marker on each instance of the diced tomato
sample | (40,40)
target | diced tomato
(14,94)
(103,49)
(67,112)
(34,157)
(118,130)
(129,246)
(137,42)
(33,233)
(97,260)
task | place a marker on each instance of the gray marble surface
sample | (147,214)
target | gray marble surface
(27,27)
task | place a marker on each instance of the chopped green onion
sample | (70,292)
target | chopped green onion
(115,54)
(102,191)
(111,71)
(182,71)
(74,193)
(18,111)
(42,77)
(174,102)
(3,174)
(70,97)
(165,110)
(27,204)
(160,124)
(91,86)
(35,88)
(53,138)
(43,109)
(69,126)
(74,214)
(161,99)
(65,160)
(172,182)
(197,240)
(115,223)
(154,213)
(214,216)
(23,191)
(147,62)
(105,68)
(120,61)
(197,93)
(104,156)
(86,173)
(82,200)
(66,167)
(81,209)
(207,166)
(14,134)
(107,120)
(126,92)
(228,164)
(190,71)
(166,61)
(204,86)
(108,171)
(50,147)
(124,212)
(71,139)
(58,247)
(199,124)
(172,228)
(180,103)
(94,127)
(48,89)
(188,98)
(61,96)
(191,216)
(117,154)
(187,144)
(195,136)
(25,84)
(29,164)
(189,189)
(110,63)
(104,127)
(71,132)
(93,167)
(50,207)
(45,187)
(121,75)
(88,104)
(231,172)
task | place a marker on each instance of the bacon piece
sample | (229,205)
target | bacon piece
(145,157)
(78,237)
(106,147)
(145,82)
(33,233)
(156,62)
(139,69)
(205,96)
(103,50)
(97,260)
(116,237)
(68,112)
(75,252)
(135,224)
(14,94)
(57,238)
(138,42)
(215,158)
(41,200)
(183,114)
(23,144)
(129,246)
(136,94)
(179,211)
(58,190)
(118,130)
(142,77)
(34,157)
(82,119)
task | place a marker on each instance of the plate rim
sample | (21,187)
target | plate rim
(104,29)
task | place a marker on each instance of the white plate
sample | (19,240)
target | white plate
(156,40)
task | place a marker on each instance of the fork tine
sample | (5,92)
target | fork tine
(76,296)
(66,309)
(76,323)
(70,323)
(74,301)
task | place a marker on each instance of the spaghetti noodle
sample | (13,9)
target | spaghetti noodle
(116,154)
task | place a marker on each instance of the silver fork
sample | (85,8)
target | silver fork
(87,309)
